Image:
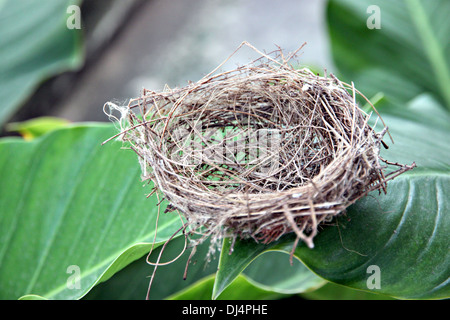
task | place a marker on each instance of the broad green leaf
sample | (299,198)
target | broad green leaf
(132,282)
(332,291)
(69,204)
(288,279)
(37,127)
(407,56)
(242,288)
(35,44)
(284,278)
(405,232)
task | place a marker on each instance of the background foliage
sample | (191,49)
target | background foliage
(34,45)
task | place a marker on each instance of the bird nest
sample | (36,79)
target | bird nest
(257,152)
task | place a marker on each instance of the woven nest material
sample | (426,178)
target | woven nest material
(257,152)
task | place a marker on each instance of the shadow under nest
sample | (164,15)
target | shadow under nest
(258,151)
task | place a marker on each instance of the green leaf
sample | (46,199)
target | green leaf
(242,288)
(32,297)
(68,201)
(405,232)
(35,44)
(36,127)
(407,56)
(286,279)
(259,282)
(332,291)
(132,282)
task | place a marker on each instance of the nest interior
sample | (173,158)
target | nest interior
(257,152)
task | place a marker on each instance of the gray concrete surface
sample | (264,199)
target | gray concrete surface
(173,41)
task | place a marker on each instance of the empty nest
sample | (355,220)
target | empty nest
(257,152)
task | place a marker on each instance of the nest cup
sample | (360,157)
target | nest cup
(258,151)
